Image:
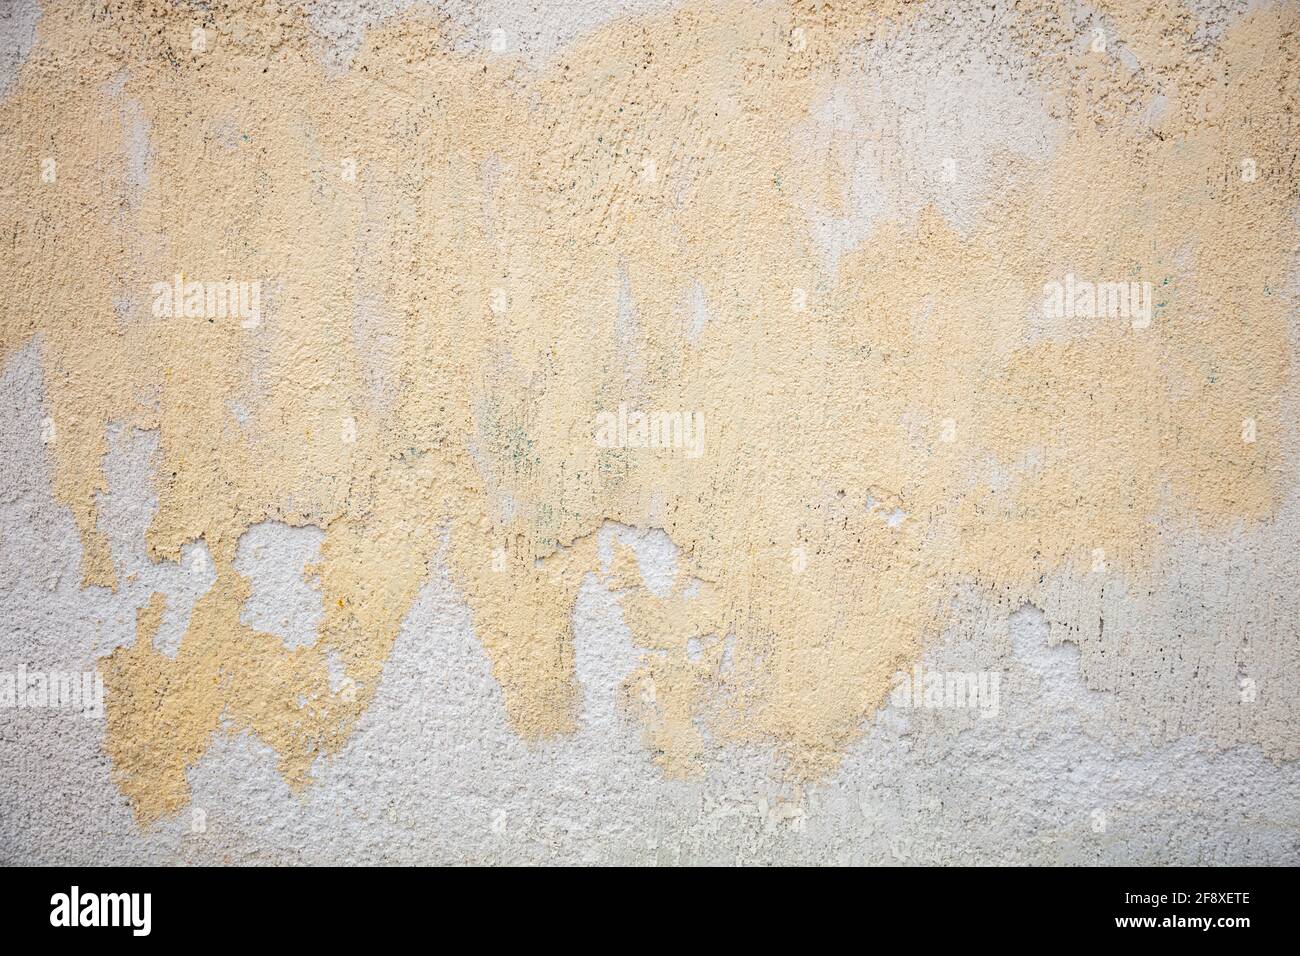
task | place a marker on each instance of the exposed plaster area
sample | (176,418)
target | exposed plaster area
(642,431)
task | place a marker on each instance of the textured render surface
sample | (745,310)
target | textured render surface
(364,584)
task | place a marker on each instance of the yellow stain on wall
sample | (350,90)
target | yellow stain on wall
(530,237)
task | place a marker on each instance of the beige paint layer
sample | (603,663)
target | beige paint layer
(520,250)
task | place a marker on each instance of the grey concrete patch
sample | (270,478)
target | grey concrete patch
(530,31)
(927,115)
(284,602)
(18,21)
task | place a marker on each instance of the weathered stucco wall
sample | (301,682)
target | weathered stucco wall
(325,333)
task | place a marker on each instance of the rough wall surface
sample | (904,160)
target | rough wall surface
(649,432)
